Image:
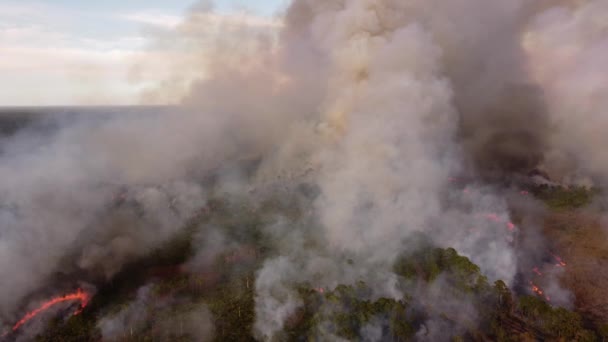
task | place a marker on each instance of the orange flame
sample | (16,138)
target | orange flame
(539,292)
(560,261)
(495,218)
(536,289)
(79,295)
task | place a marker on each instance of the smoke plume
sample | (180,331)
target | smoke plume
(376,104)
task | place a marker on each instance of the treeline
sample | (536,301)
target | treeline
(499,316)
(489,312)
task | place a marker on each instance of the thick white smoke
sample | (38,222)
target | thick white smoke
(388,124)
(376,102)
(410,85)
(568,49)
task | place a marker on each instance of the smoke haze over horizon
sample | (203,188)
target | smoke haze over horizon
(376,104)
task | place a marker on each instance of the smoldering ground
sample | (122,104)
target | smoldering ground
(374,103)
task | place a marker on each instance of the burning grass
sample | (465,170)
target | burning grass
(343,311)
(226,288)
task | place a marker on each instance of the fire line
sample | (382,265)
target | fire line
(79,295)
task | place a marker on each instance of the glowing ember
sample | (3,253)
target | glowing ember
(492,217)
(560,261)
(495,218)
(535,270)
(536,289)
(539,292)
(79,295)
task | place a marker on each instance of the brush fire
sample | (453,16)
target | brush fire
(361,170)
(79,296)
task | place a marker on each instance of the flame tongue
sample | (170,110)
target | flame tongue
(79,295)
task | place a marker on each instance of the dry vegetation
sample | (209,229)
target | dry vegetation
(582,242)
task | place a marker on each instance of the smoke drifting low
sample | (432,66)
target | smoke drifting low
(375,103)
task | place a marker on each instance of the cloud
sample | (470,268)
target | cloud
(42,48)
(40,51)
(152,18)
(62,76)
(240,19)
(12,12)
(186,53)
(163,20)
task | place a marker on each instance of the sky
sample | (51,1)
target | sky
(80,52)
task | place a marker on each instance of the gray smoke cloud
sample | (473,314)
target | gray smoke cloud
(567,47)
(377,103)
(415,92)
(195,323)
(127,321)
(58,197)
(91,194)
(388,121)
